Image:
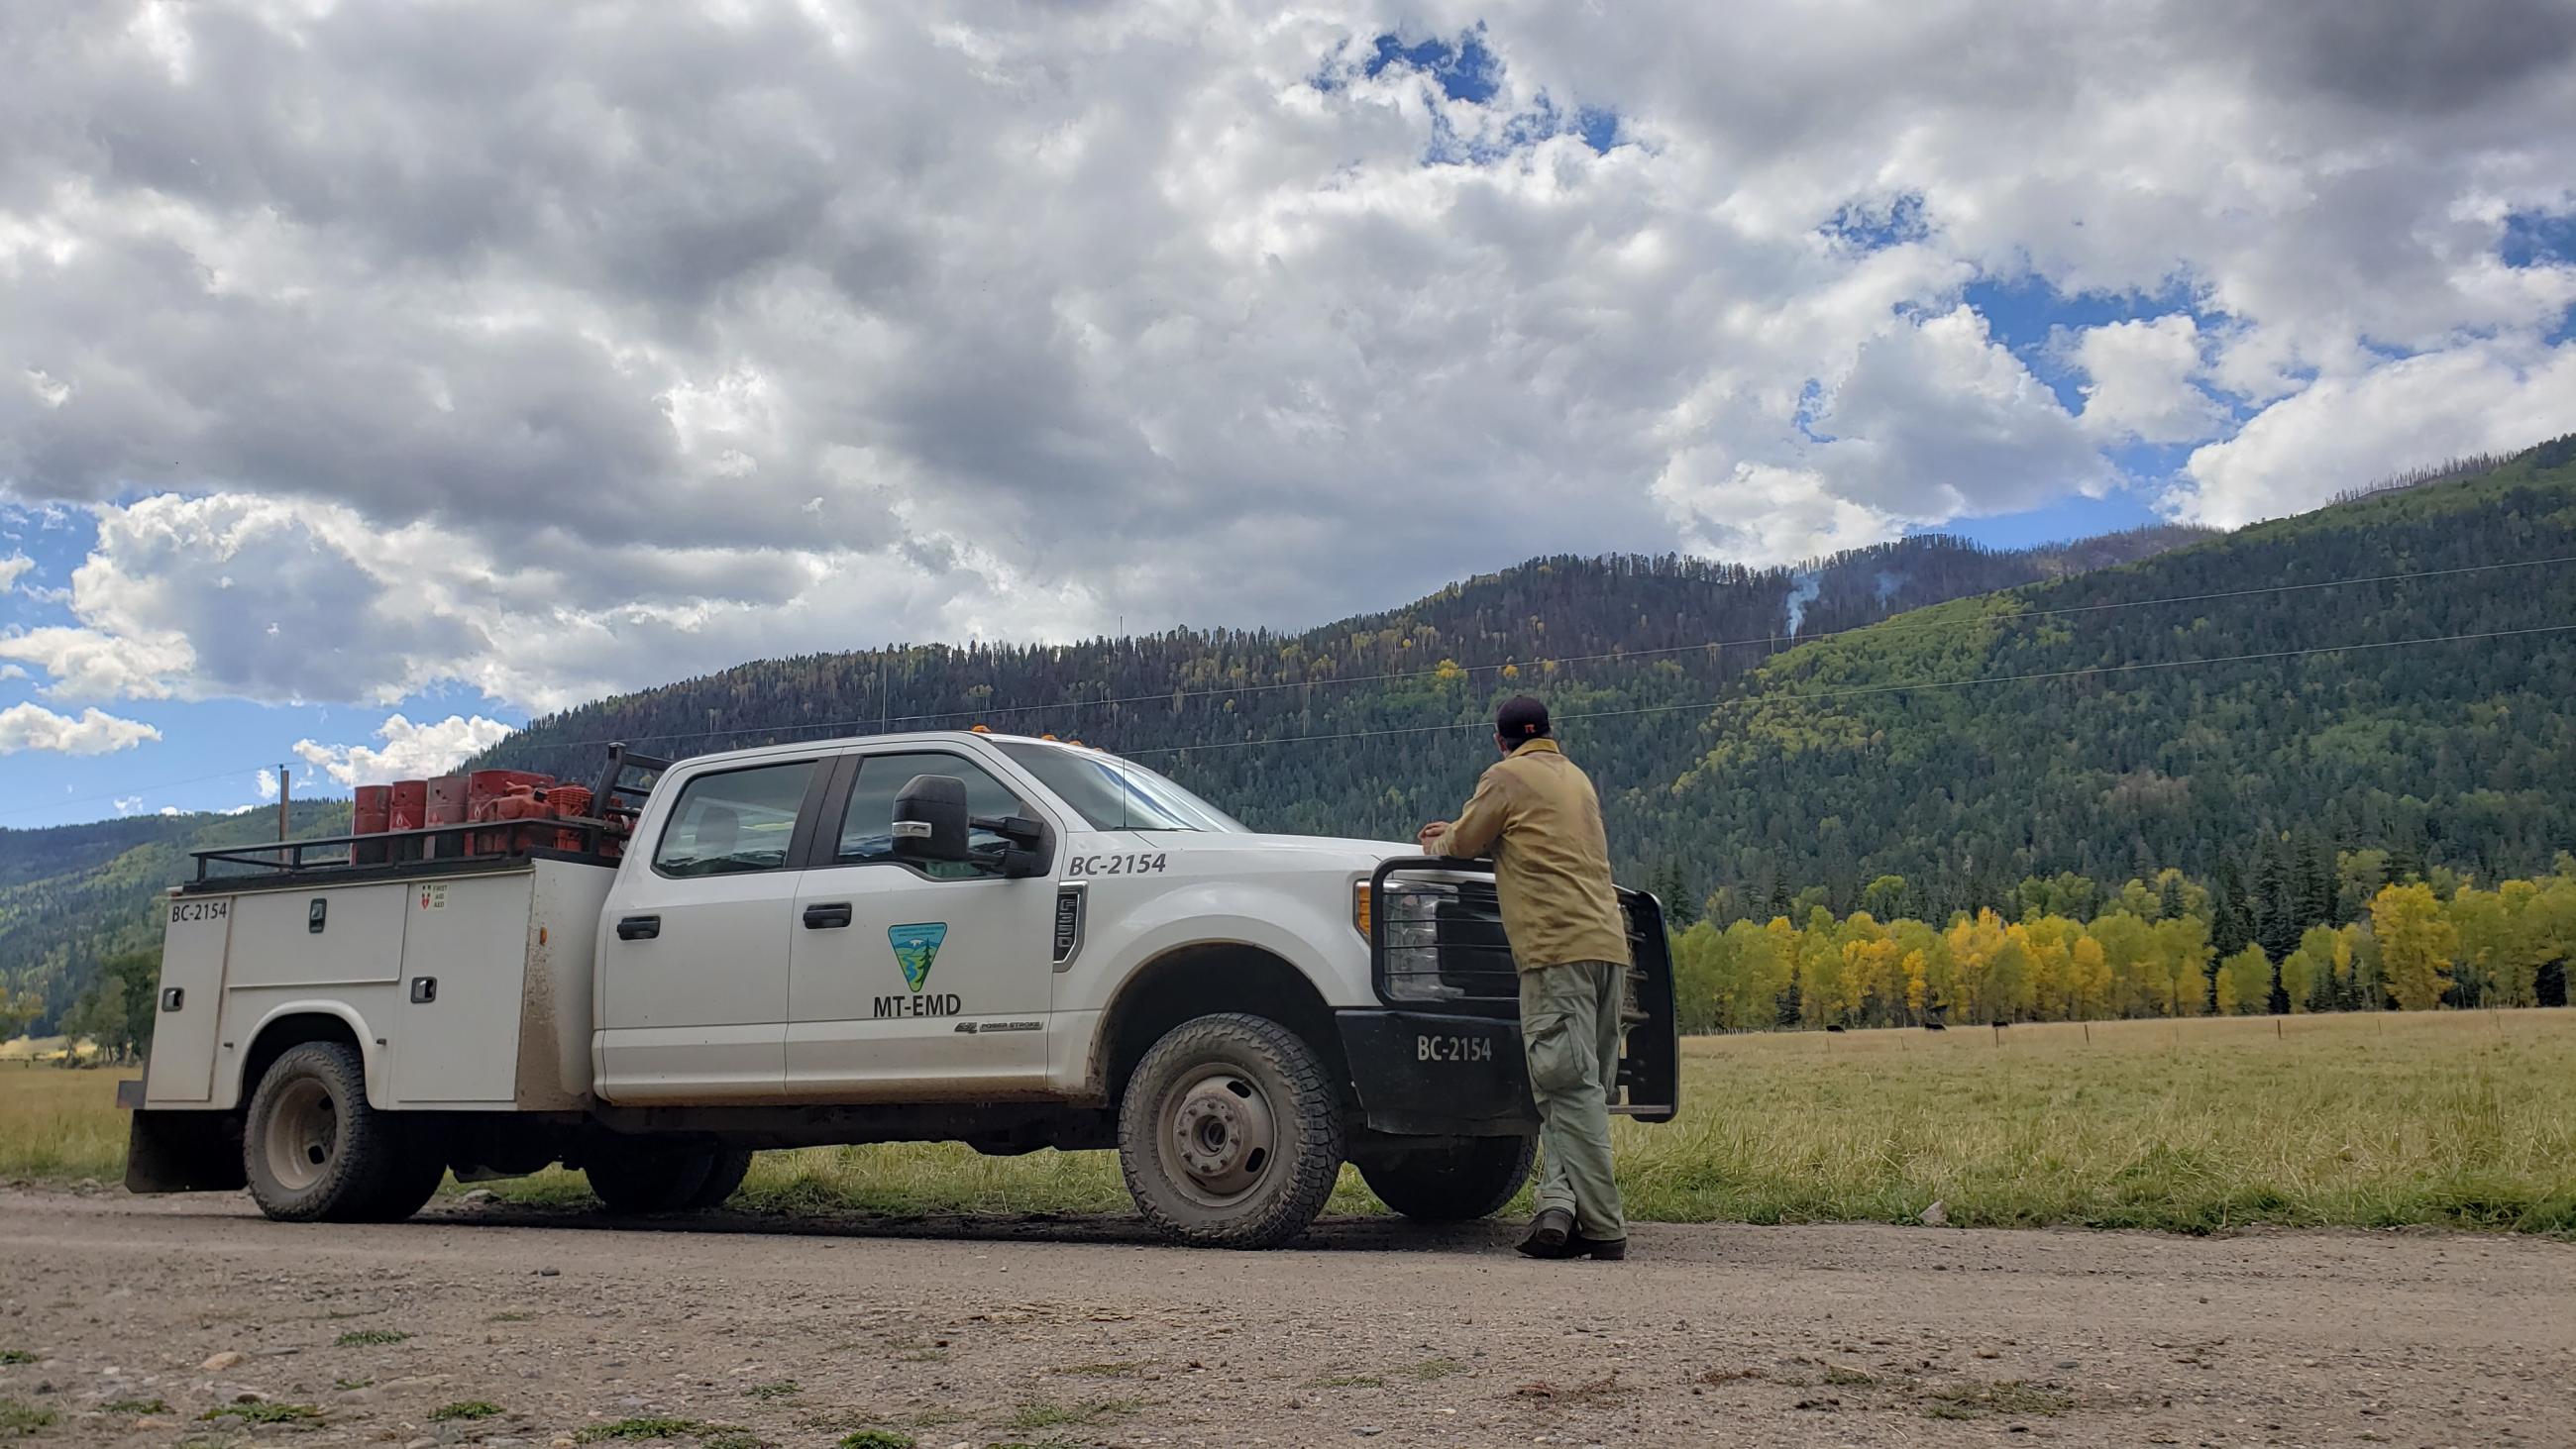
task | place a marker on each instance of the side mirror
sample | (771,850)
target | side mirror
(931,824)
(930,819)
(1028,853)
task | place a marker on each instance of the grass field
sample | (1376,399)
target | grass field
(2461,1119)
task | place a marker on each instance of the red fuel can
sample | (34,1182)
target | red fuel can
(503,795)
(449,804)
(493,784)
(570,802)
(370,808)
(520,804)
(409,811)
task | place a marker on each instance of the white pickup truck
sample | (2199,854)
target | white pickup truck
(955,936)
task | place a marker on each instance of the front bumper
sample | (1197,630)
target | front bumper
(1433,1074)
(1436,937)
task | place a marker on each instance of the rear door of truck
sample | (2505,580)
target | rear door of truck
(694,938)
(905,980)
(195,932)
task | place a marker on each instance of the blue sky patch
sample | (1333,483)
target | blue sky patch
(1870,226)
(2028,314)
(2538,239)
(1465,71)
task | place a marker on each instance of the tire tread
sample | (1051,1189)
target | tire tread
(365,1159)
(1477,1185)
(1313,1114)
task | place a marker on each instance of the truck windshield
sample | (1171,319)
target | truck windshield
(1111,794)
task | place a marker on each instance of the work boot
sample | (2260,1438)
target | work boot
(1550,1233)
(1608,1250)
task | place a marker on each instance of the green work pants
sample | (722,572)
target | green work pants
(1570,1027)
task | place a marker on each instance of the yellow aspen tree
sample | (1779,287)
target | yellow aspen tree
(2533,947)
(2416,945)
(2182,958)
(2052,987)
(2089,975)
(2128,945)
(1861,934)
(2311,966)
(1916,988)
(2244,983)
(1859,957)
(1976,949)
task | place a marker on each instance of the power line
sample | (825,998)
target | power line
(1919,685)
(136,790)
(1885,626)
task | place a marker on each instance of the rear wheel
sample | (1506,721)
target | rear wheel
(725,1173)
(1453,1184)
(648,1179)
(1230,1135)
(312,1147)
(416,1169)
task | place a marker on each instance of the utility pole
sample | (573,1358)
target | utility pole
(282,778)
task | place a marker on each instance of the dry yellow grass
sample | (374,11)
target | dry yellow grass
(2369,1119)
(56,1123)
(2459,1118)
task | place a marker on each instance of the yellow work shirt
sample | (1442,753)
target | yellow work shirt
(1537,816)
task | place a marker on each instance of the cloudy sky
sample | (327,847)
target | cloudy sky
(375,375)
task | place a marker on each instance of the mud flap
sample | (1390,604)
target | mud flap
(184,1152)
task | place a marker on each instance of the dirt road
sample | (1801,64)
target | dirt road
(1080,1333)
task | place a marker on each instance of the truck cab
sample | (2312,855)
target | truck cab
(1016,943)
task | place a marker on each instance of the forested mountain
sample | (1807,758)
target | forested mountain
(2220,734)
(1206,706)
(73,895)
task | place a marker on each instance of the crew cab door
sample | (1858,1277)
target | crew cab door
(694,939)
(908,982)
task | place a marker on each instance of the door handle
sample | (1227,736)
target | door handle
(827,917)
(639,928)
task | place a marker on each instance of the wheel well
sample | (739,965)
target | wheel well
(1204,980)
(285,1034)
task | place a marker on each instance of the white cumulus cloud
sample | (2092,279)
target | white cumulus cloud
(2345,432)
(777,327)
(28,726)
(2140,382)
(409,751)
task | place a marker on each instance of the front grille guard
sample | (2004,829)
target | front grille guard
(1436,944)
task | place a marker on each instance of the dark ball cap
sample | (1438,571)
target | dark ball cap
(1521,719)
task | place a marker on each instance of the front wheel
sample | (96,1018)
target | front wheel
(1473,1179)
(1230,1135)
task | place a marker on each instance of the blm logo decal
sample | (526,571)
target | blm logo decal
(916,950)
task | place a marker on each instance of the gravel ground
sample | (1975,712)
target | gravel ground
(1080,1332)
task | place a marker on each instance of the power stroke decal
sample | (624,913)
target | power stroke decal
(916,950)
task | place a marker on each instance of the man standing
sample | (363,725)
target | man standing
(1538,817)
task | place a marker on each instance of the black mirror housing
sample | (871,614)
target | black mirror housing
(930,821)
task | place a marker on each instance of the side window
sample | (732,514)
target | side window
(737,821)
(867,830)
